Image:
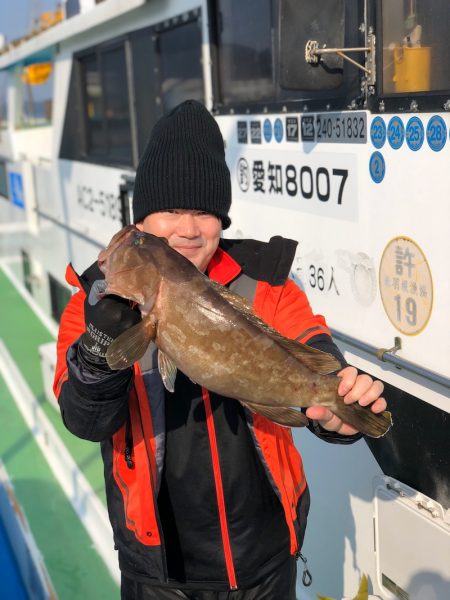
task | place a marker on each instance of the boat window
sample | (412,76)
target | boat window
(303,23)
(119,89)
(59,297)
(416,46)
(116,103)
(35,91)
(146,92)
(245,53)
(93,99)
(180,64)
(3,180)
(72,8)
(106,109)
(3,99)
(27,271)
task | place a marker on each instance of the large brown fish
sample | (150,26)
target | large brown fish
(213,336)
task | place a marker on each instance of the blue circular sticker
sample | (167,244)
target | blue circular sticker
(267,130)
(378,132)
(278,130)
(396,132)
(436,133)
(415,133)
(377,167)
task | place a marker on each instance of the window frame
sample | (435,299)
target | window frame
(292,100)
(20,121)
(97,51)
(191,17)
(80,151)
(398,102)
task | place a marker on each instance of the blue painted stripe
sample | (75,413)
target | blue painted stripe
(11,581)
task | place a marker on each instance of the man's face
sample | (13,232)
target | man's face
(192,233)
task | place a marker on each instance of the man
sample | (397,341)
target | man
(206,500)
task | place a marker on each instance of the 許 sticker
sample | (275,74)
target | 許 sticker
(406,285)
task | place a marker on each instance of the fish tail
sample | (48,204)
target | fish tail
(363,419)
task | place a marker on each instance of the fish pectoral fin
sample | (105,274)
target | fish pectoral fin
(283,415)
(131,345)
(168,370)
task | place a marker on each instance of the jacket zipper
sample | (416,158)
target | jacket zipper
(219,491)
(128,444)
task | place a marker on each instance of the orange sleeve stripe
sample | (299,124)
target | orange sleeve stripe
(311,332)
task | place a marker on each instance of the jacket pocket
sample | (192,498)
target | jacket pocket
(300,523)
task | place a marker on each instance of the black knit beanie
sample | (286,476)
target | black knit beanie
(183,166)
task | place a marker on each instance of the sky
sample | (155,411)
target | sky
(16,16)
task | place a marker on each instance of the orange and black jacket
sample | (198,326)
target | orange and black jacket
(200,491)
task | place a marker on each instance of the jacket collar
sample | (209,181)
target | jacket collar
(222,268)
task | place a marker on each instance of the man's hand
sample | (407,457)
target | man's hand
(353,388)
(105,320)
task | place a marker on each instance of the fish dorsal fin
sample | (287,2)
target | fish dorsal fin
(238,302)
(131,345)
(283,415)
(315,360)
(168,370)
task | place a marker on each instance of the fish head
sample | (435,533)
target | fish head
(129,267)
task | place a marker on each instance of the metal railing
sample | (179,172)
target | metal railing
(389,356)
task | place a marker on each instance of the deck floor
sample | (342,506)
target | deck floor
(75,568)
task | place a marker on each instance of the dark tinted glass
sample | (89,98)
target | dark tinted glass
(95,131)
(3,180)
(416,46)
(59,297)
(245,50)
(146,93)
(116,103)
(72,8)
(3,106)
(26,271)
(180,65)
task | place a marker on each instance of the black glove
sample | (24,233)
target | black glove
(105,320)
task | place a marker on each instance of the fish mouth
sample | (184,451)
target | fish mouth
(112,291)
(103,266)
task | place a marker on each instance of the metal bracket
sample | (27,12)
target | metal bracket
(382,351)
(313,55)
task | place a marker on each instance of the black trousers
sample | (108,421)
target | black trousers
(278,586)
